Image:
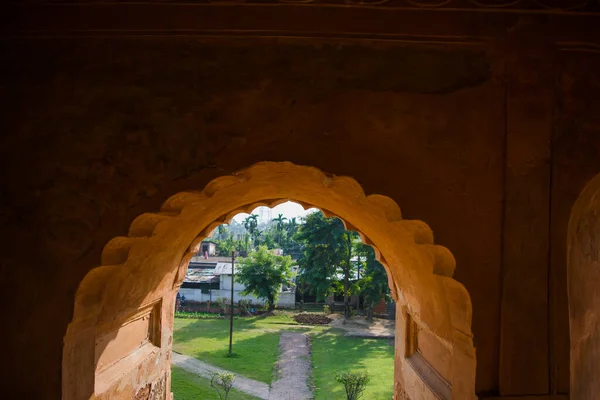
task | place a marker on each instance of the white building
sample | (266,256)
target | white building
(208,281)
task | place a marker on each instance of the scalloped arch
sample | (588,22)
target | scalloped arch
(160,245)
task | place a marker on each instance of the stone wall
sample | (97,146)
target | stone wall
(490,150)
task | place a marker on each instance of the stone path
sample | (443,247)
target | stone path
(250,386)
(293,368)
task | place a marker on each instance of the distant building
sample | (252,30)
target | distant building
(208,248)
(210,279)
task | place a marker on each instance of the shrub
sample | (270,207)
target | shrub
(355,383)
(326,310)
(196,315)
(245,306)
(224,303)
(222,382)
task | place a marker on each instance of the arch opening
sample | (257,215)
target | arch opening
(129,299)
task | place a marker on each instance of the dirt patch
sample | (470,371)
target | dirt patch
(312,319)
(360,327)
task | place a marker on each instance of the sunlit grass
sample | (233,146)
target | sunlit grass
(332,352)
(188,386)
(255,343)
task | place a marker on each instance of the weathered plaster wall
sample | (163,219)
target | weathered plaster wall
(98,131)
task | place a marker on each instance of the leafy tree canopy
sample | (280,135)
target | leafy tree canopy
(263,273)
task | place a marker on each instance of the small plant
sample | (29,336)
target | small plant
(326,310)
(222,382)
(355,383)
(245,306)
(223,303)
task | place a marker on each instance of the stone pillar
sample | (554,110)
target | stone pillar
(524,359)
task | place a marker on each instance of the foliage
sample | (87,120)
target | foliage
(355,383)
(263,273)
(251,225)
(374,281)
(226,245)
(224,303)
(197,315)
(326,310)
(328,251)
(222,382)
(245,306)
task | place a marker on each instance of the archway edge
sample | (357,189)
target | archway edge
(415,269)
(159,244)
(583,276)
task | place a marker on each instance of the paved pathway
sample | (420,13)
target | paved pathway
(293,368)
(250,386)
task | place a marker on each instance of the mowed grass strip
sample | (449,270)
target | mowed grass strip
(188,386)
(333,352)
(255,343)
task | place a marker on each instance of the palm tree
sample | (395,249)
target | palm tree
(292,226)
(279,224)
(222,231)
(251,225)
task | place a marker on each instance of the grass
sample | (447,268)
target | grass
(333,352)
(255,342)
(255,345)
(188,386)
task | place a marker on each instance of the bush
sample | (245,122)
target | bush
(326,310)
(355,383)
(222,382)
(196,315)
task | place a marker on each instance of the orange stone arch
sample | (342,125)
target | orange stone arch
(583,266)
(142,272)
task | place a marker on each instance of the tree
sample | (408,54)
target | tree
(374,281)
(319,258)
(222,381)
(263,273)
(251,225)
(328,251)
(292,226)
(227,245)
(222,231)
(279,228)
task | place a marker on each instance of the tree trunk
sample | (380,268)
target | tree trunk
(370,312)
(271,305)
(346,297)
(347,272)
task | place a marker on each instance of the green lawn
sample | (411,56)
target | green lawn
(255,343)
(188,386)
(332,352)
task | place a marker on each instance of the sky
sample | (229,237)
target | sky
(288,209)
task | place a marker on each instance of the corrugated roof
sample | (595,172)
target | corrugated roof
(224,268)
(199,275)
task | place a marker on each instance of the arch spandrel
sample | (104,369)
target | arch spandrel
(419,271)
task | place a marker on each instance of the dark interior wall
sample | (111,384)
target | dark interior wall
(103,130)
(98,131)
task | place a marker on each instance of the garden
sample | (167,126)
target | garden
(255,354)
